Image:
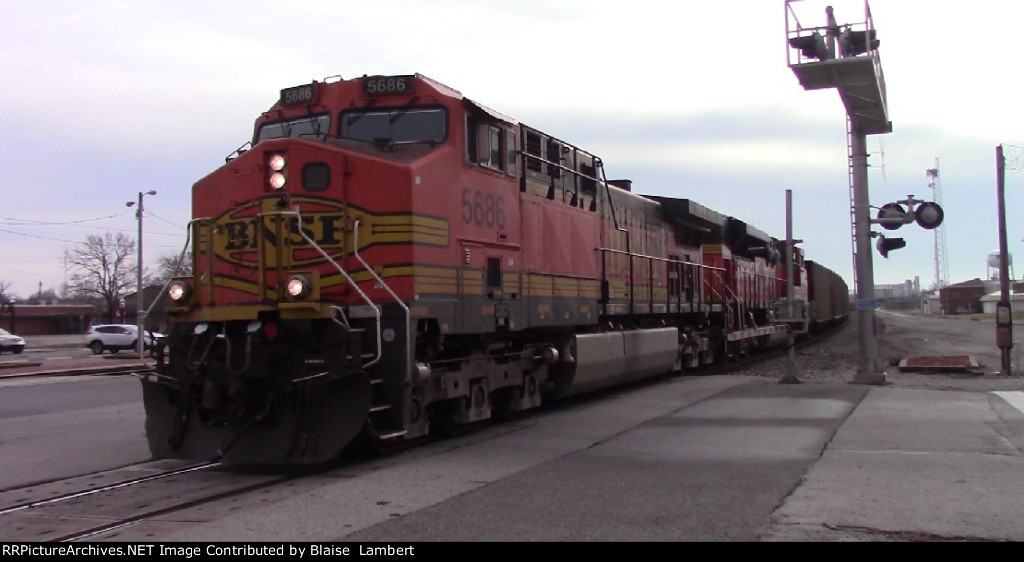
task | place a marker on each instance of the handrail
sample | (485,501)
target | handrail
(344,274)
(717,271)
(177,265)
(699,266)
(829,31)
(405,308)
(599,165)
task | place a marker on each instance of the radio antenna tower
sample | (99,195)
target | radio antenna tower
(941,265)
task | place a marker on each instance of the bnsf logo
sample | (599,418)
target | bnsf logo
(325,230)
(243,233)
(239,234)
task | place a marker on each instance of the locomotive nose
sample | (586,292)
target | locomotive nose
(307,425)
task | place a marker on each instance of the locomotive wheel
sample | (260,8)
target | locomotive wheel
(445,420)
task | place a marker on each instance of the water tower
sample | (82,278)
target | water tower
(993,265)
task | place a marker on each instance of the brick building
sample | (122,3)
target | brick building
(965,297)
(47,319)
(34,319)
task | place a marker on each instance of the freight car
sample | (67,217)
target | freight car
(828,297)
(387,258)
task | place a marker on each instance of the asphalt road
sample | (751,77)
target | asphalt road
(56,427)
(721,458)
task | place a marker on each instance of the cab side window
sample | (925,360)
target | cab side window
(490,145)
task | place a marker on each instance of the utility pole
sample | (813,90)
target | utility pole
(790,376)
(141,311)
(1004,312)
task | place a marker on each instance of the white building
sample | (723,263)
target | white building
(988,303)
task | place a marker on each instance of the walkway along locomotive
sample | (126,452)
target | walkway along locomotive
(387,257)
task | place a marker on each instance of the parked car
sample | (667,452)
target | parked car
(11,342)
(116,337)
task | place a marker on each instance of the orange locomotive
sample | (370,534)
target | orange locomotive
(388,258)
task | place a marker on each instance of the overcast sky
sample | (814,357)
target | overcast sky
(104,99)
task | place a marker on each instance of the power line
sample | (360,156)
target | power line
(13,221)
(18,221)
(83,242)
(150,213)
(40,237)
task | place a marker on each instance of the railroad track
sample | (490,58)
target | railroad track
(24,368)
(101,504)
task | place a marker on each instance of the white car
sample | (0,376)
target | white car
(11,342)
(116,337)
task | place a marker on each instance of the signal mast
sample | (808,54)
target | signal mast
(941,264)
(845,57)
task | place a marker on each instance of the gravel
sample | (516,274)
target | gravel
(835,358)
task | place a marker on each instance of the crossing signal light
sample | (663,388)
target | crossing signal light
(858,42)
(928,215)
(886,245)
(811,46)
(892,211)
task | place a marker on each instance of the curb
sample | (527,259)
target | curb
(17,363)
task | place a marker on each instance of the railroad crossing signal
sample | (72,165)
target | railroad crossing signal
(928,215)
(891,216)
(886,245)
(853,43)
(811,46)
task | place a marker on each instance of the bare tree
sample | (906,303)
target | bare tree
(102,267)
(168,267)
(4,286)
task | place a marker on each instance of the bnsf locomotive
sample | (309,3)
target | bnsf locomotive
(388,258)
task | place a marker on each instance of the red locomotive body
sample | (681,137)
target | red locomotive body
(388,258)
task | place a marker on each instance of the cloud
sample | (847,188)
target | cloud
(107,98)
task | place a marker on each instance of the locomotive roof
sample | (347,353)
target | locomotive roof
(736,228)
(743,238)
(452,92)
(690,213)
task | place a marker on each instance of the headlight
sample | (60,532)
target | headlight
(299,286)
(178,291)
(277,178)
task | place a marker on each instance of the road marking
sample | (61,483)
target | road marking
(1014,397)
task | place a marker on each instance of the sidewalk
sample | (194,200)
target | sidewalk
(29,361)
(915,465)
(51,342)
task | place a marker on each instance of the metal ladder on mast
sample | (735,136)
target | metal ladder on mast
(853,205)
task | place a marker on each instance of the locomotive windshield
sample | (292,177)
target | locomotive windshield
(396,125)
(312,127)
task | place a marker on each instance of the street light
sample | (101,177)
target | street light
(141,311)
